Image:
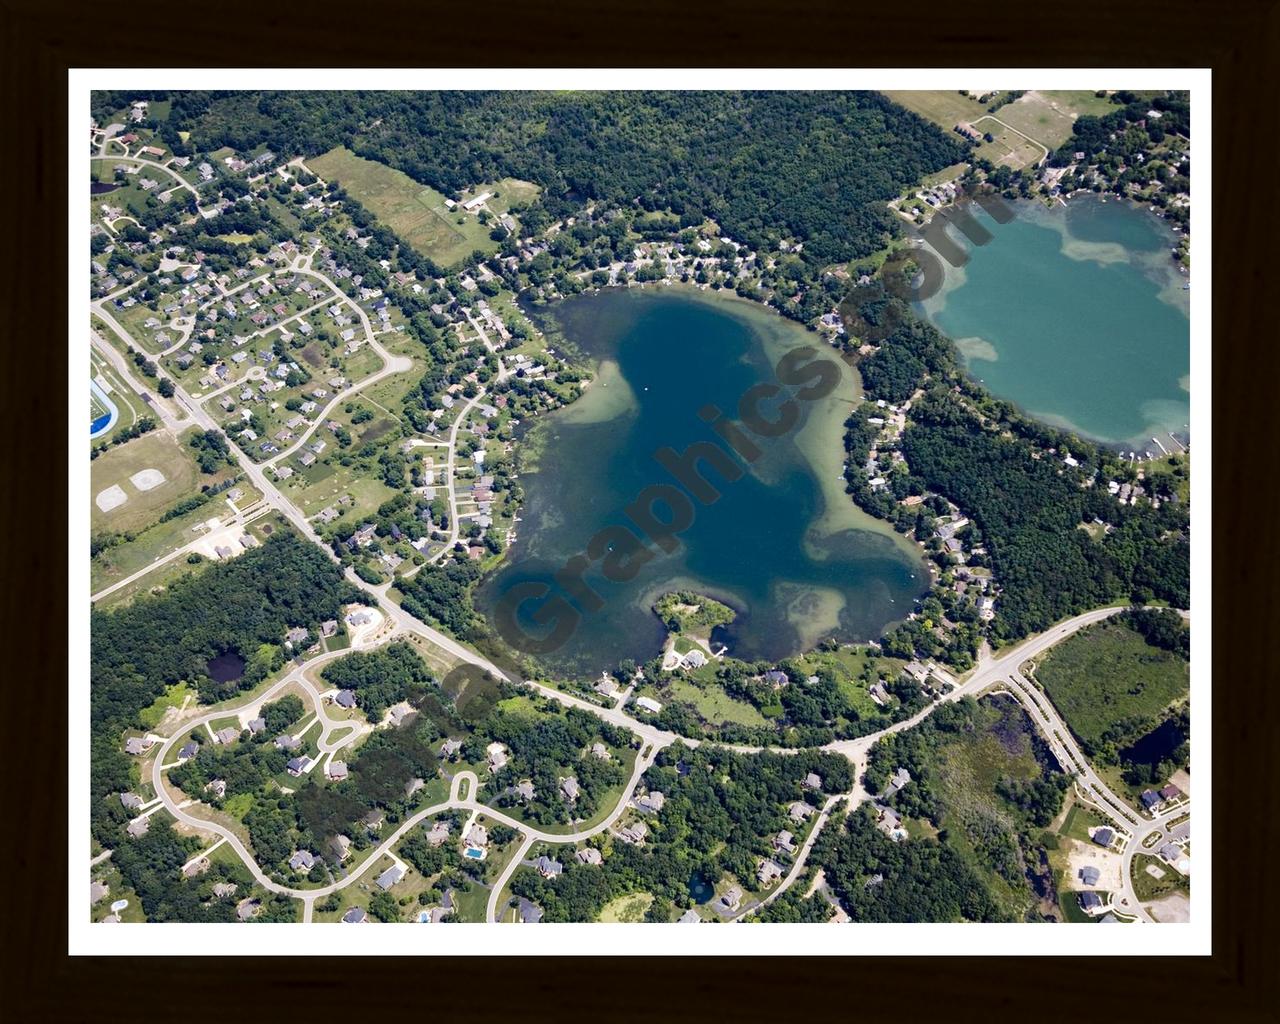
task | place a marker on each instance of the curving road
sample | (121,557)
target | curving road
(1002,670)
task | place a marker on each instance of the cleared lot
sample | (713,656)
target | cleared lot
(133,483)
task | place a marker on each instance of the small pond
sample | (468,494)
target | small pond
(226,667)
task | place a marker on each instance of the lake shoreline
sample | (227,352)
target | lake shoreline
(834,527)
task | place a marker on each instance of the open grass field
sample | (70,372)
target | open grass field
(964,772)
(104,569)
(322,484)
(714,704)
(1008,148)
(132,467)
(153,543)
(412,210)
(944,107)
(1148,887)
(944,175)
(629,909)
(1076,102)
(1106,673)
(1045,120)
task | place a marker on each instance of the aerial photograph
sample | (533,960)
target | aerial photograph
(518,506)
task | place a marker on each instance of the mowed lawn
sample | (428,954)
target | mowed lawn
(116,468)
(944,107)
(1047,120)
(1107,673)
(413,211)
(714,704)
(947,108)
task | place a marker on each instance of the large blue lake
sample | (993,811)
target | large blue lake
(784,545)
(1077,314)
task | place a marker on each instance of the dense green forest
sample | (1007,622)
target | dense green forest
(1028,510)
(721,810)
(546,749)
(984,779)
(381,677)
(989,459)
(813,166)
(243,607)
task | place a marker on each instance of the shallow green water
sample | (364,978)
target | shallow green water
(783,544)
(1078,315)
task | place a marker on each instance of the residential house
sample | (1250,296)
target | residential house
(769,872)
(228,735)
(390,877)
(900,778)
(732,899)
(569,788)
(650,803)
(589,855)
(1104,837)
(784,842)
(296,766)
(634,833)
(799,811)
(648,704)
(138,827)
(477,837)
(529,913)
(302,860)
(345,699)
(337,771)
(497,756)
(439,833)
(1089,875)
(813,781)
(356,915)
(549,868)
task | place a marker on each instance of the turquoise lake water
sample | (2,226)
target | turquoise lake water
(1078,315)
(784,545)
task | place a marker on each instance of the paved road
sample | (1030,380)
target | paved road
(1004,673)
(239,518)
(1003,669)
(177,809)
(158,406)
(455,527)
(154,165)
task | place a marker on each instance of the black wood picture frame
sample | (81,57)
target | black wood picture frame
(1237,39)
